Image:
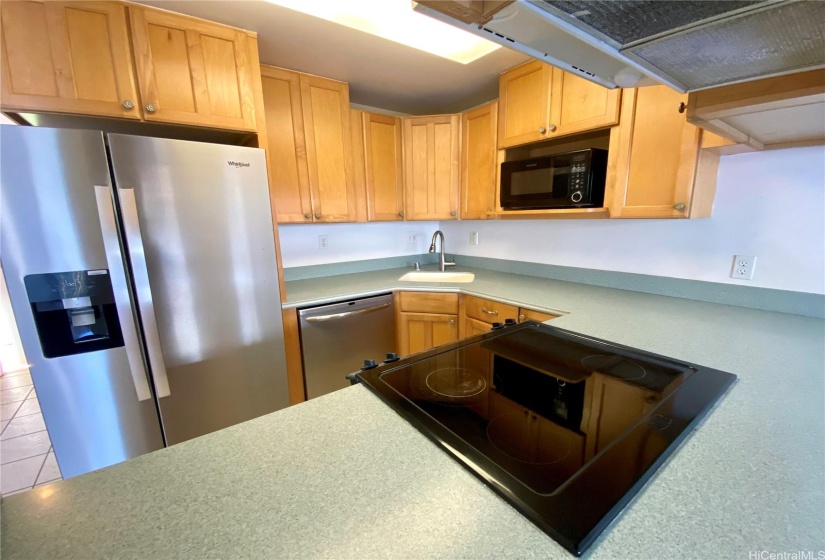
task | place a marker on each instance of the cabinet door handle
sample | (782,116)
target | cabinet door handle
(317,215)
(682,107)
(489,311)
(679,206)
(452,321)
(401,214)
(308,216)
(150,108)
(453,213)
(127,104)
(542,130)
(521,318)
(552,128)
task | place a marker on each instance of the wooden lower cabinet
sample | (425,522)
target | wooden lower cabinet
(525,314)
(425,320)
(477,315)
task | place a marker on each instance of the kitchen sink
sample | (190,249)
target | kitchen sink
(421,276)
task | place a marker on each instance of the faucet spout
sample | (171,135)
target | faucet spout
(442,264)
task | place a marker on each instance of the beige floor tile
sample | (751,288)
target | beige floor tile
(15,395)
(22,371)
(8,410)
(50,471)
(23,447)
(24,425)
(20,474)
(7,382)
(3,424)
(29,406)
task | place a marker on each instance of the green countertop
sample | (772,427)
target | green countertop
(342,476)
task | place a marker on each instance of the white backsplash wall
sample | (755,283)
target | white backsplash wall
(352,242)
(769,204)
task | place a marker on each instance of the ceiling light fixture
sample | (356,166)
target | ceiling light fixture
(396,21)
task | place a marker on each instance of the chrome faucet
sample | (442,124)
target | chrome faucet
(442,264)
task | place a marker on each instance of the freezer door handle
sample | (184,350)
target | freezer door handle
(123,303)
(335,316)
(143,291)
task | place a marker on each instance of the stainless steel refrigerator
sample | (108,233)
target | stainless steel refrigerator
(144,284)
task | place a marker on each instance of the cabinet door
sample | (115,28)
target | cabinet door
(579,105)
(524,104)
(421,331)
(192,71)
(657,155)
(478,162)
(326,113)
(431,166)
(530,315)
(474,326)
(67,57)
(384,169)
(286,154)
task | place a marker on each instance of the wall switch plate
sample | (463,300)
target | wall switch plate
(412,238)
(473,238)
(743,266)
(323,243)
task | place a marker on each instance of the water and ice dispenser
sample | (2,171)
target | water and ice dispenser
(74,312)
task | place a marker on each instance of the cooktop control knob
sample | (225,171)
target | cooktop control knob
(369,364)
(509,322)
(391,357)
(497,326)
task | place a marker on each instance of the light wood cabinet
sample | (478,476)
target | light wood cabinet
(384,169)
(431,167)
(67,57)
(325,105)
(478,161)
(477,314)
(538,102)
(425,320)
(287,159)
(525,314)
(310,147)
(656,168)
(467,11)
(191,71)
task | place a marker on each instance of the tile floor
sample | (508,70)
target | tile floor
(26,455)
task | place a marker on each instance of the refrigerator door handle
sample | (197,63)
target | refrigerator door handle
(117,274)
(140,273)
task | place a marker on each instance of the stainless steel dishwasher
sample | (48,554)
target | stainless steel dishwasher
(336,339)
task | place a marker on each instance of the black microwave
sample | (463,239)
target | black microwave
(570,180)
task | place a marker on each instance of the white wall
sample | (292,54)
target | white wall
(769,204)
(350,242)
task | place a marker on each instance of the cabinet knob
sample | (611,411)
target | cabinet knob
(308,216)
(128,104)
(521,318)
(453,213)
(682,107)
(317,215)
(552,128)
(401,214)
(150,108)
(452,321)
(542,130)
(679,206)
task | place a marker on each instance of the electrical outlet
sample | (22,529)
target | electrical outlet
(323,243)
(473,238)
(412,238)
(743,266)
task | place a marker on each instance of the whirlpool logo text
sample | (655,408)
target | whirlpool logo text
(238,163)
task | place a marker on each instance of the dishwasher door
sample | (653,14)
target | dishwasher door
(337,338)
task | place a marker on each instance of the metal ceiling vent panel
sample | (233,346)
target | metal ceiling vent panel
(686,44)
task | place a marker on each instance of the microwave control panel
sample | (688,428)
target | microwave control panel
(578,177)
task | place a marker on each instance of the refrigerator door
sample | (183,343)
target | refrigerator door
(67,282)
(198,226)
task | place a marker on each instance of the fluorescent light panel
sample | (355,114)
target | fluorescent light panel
(396,21)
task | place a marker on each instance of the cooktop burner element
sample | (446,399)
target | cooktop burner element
(566,427)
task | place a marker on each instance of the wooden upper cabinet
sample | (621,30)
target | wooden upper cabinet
(661,171)
(431,167)
(384,167)
(524,104)
(478,162)
(286,154)
(67,57)
(467,11)
(538,102)
(578,105)
(191,71)
(326,112)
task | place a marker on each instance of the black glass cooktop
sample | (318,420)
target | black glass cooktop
(566,427)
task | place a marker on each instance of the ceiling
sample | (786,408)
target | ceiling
(380,73)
